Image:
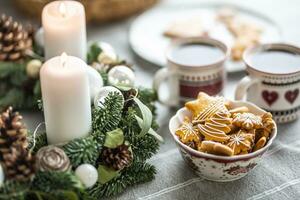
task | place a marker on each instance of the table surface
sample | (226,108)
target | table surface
(278,175)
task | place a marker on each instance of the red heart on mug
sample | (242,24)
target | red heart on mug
(270,97)
(291,96)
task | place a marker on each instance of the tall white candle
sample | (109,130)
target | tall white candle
(64,29)
(66,98)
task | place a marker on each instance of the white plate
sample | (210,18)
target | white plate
(146,32)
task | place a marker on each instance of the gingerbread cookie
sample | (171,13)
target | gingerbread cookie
(216,127)
(260,143)
(247,121)
(216,148)
(187,133)
(240,142)
(191,27)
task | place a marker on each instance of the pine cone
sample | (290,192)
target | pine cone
(128,96)
(12,131)
(18,164)
(117,158)
(14,39)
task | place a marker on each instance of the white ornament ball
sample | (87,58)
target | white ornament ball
(108,54)
(33,68)
(95,81)
(106,47)
(121,76)
(39,37)
(1,175)
(103,93)
(87,174)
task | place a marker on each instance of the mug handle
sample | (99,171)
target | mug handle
(160,77)
(243,86)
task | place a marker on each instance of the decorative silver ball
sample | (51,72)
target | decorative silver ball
(39,37)
(103,93)
(95,81)
(121,76)
(33,68)
(1,175)
(87,174)
(108,54)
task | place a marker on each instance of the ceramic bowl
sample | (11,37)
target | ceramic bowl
(215,167)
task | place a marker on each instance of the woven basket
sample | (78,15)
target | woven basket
(96,10)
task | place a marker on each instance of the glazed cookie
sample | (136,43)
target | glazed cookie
(216,127)
(241,142)
(247,121)
(187,133)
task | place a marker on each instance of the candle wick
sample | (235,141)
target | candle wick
(63,59)
(62,9)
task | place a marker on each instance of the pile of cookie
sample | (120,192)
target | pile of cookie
(219,129)
(246,34)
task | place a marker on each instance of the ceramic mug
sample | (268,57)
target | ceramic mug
(275,92)
(185,81)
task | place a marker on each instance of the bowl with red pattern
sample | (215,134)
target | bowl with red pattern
(217,167)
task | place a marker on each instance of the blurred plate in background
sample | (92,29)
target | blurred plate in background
(147,39)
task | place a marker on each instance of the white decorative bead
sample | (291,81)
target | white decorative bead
(106,47)
(108,54)
(103,93)
(95,81)
(121,76)
(1,175)
(33,68)
(39,37)
(87,174)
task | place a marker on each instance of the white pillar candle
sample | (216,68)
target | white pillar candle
(64,29)
(66,98)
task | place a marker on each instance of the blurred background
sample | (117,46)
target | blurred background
(122,23)
(135,28)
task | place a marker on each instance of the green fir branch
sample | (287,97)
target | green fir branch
(138,172)
(108,117)
(56,184)
(13,190)
(83,150)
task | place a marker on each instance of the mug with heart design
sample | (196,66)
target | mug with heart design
(194,65)
(273,80)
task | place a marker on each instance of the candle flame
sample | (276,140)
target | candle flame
(63,59)
(62,9)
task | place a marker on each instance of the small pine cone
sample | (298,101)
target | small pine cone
(128,96)
(117,158)
(19,164)
(14,39)
(12,131)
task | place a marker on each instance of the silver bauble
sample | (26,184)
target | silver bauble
(121,76)
(95,81)
(87,174)
(103,93)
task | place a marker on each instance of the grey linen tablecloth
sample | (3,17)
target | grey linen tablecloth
(277,176)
